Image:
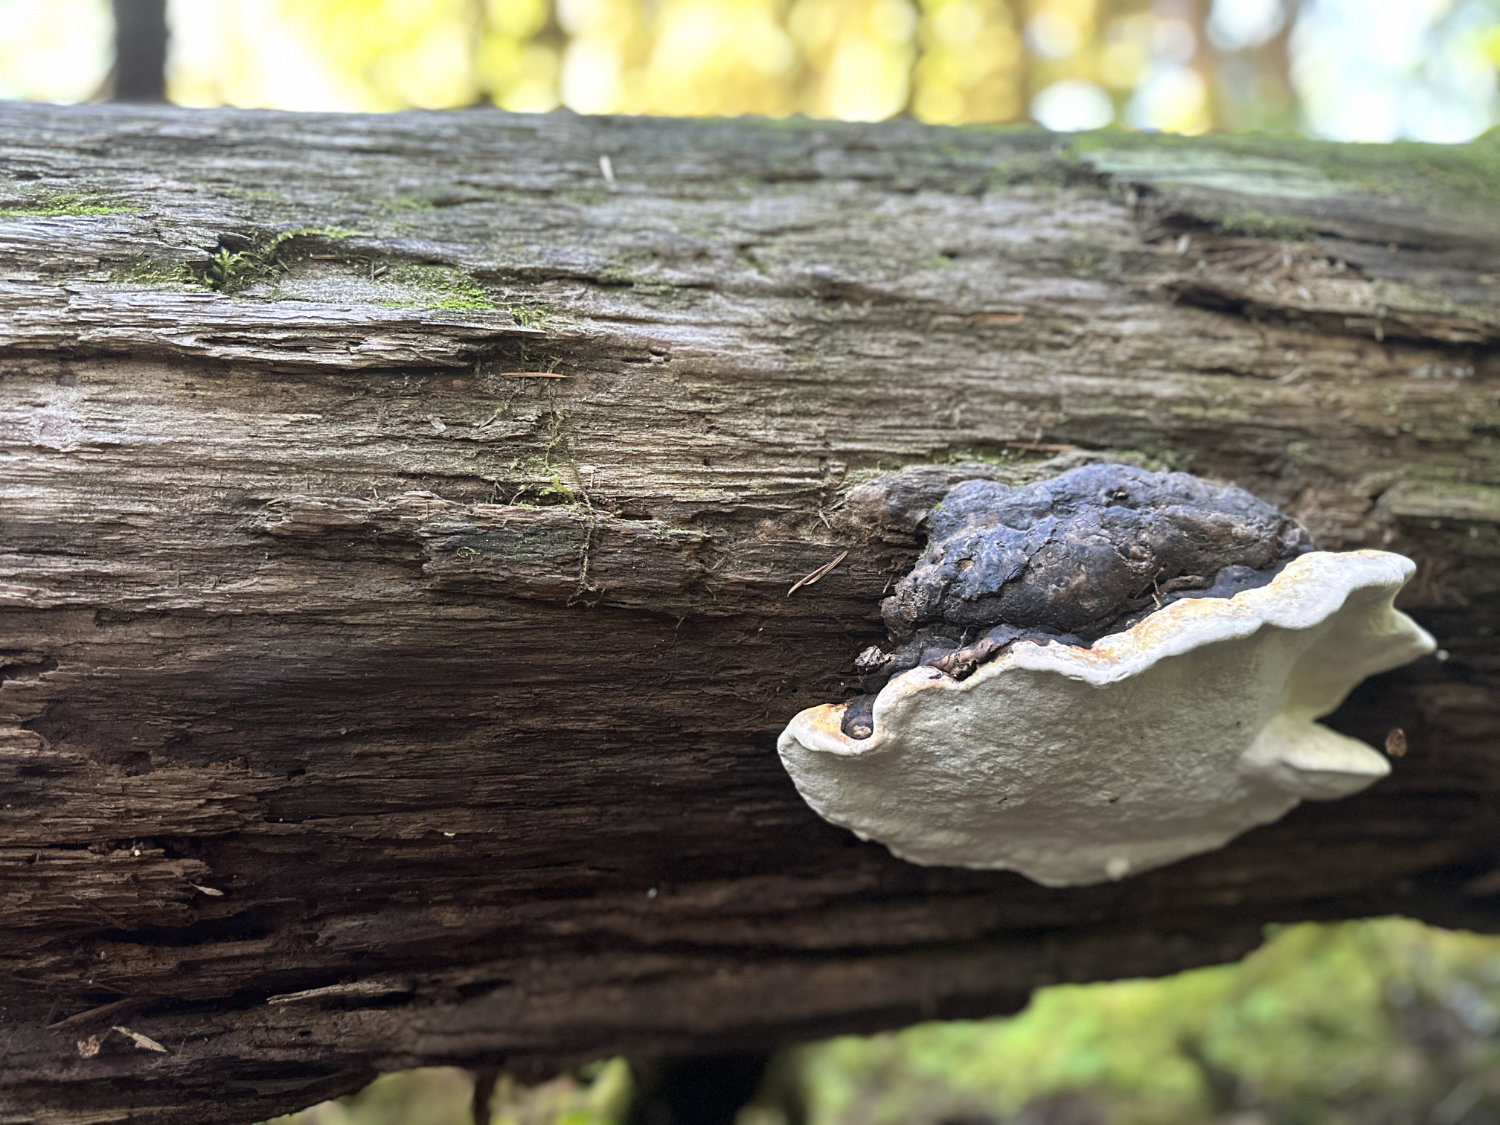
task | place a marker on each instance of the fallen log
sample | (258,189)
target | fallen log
(399,514)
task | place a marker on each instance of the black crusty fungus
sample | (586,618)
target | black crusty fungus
(1068,560)
(1078,552)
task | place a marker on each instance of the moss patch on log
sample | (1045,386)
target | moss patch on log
(63,204)
(1433,177)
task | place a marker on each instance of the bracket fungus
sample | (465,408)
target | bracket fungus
(1102,673)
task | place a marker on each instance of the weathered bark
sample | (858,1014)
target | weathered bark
(367,705)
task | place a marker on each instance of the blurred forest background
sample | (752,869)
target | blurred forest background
(1374,1023)
(1356,70)
(1383,1022)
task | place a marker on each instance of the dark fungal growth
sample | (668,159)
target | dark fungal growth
(1078,552)
(1068,560)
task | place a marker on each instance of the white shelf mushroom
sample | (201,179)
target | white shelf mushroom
(1079,765)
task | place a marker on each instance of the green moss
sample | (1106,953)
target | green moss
(551,490)
(66,204)
(558,491)
(748,260)
(1444,500)
(146,272)
(474,300)
(1038,168)
(229,271)
(324,232)
(256,196)
(528,318)
(410,202)
(458,292)
(445,288)
(1465,175)
(1257,224)
(424,286)
(1437,178)
(1396,297)
(616,276)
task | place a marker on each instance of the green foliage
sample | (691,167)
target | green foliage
(225,270)
(1362,1023)
(596,1095)
(1313,1029)
(432,1096)
(228,271)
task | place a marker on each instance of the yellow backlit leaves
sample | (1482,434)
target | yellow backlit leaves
(970,67)
(721,59)
(833,58)
(519,19)
(857,56)
(1125,51)
(54,50)
(324,54)
(1068,63)
(513,64)
(828,58)
(1491,40)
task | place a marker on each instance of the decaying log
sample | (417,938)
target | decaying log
(398,516)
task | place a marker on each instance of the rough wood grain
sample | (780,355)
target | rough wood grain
(397,522)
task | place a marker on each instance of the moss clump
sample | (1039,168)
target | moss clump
(229,271)
(551,490)
(556,490)
(65,204)
(456,291)
(1399,298)
(176,274)
(466,299)
(428,286)
(527,318)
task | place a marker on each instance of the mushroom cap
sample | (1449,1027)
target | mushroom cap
(1077,765)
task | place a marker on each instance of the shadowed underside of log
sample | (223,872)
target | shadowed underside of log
(396,523)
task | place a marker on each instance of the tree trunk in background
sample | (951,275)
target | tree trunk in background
(399,515)
(140,50)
